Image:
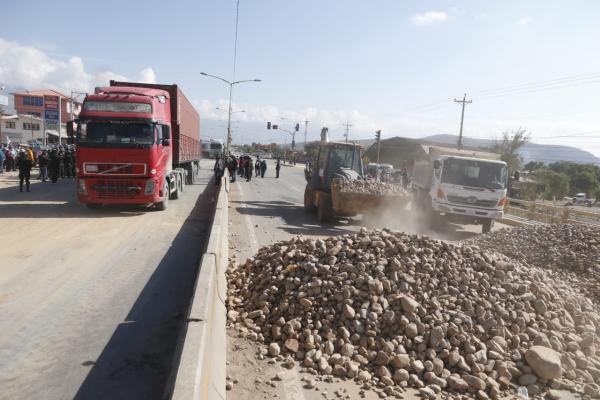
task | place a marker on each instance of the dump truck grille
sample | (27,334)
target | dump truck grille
(471,201)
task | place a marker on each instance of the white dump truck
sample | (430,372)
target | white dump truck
(462,186)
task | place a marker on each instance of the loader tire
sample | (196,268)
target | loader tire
(487,225)
(325,210)
(309,206)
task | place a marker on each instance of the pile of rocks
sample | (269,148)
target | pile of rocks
(397,310)
(564,248)
(370,186)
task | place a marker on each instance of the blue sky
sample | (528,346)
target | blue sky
(375,64)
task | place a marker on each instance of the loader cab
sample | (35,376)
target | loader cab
(336,159)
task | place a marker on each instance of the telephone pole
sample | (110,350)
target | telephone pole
(305,132)
(347,125)
(462,117)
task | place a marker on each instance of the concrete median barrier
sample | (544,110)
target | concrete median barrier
(200,371)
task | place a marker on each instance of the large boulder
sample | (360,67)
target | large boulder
(544,361)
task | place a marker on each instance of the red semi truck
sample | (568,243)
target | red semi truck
(137,143)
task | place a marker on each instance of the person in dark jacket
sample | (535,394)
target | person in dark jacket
(257,167)
(219,169)
(263,168)
(277,168)
(24,164)
(53,165)
(248,168)
(232,166)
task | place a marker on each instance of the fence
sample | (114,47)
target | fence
(550,214)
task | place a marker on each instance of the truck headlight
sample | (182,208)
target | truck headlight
(81,189)
(150,187)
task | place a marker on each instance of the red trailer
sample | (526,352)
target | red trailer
(137,143)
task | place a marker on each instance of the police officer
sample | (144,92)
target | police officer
(24,164)
(54,165)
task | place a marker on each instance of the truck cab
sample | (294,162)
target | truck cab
(463,189)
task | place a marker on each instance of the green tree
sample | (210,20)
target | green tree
(508,147)
(312,151)
(584,181)
(556,183)
(533,165)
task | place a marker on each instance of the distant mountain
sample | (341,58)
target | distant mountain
(546,153)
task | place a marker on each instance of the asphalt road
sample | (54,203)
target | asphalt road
(267,210)
(92,302)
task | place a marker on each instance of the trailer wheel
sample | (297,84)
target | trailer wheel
(164,203)
(309,206)
(325,210)
(181,181)
(487,225)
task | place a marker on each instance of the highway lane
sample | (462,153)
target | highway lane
(266,210)
(92,302)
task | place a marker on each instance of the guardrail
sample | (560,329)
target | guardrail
(550,214)
(201,370)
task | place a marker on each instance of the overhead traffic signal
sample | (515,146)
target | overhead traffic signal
(297,127)
(378,135)
(268,125)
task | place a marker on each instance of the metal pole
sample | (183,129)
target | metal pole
(59,119)
(305,132)
(229,120)
(378,146)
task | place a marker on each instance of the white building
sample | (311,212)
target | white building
(23,128)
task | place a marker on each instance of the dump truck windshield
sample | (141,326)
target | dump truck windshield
(115,133)
(474,173)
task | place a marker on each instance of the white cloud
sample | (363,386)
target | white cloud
(524,21)
(428,18)
(31,68)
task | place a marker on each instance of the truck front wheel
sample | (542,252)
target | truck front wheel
(164,203)
(487,225)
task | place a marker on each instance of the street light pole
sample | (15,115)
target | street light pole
(230,97)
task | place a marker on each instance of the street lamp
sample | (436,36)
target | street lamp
(233,112)
(230,94)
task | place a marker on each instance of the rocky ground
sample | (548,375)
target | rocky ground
(397,311)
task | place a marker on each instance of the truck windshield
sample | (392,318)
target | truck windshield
(474,173)
(116,133)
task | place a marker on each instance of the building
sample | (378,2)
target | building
(21,128)
(31,102)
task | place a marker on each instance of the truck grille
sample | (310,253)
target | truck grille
(122,189)
(116,168)
(476,203)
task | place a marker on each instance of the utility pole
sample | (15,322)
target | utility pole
(378,138)
(305,132)
(347,125)
(462,117)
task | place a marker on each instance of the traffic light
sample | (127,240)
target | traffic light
(297,127)
(275,126)
(268,125)
(378,135)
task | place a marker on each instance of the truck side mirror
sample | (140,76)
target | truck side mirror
(437,164)
(166,141)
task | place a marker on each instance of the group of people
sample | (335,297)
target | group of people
(54,162)
(242,166)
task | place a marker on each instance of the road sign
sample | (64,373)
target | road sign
(52,112)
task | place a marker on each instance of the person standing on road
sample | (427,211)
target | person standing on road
(43,164)
(263,168)
(219,169)
(2,158)
(257,167)
(248,168)
(24,164)
(232,166)
(53,165)
(277,168)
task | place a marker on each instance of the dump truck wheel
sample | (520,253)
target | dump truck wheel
(325,210)
(487,225)
(308,200)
